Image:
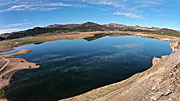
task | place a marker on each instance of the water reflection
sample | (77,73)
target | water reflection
(71,67)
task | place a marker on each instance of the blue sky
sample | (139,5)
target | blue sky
(18,15)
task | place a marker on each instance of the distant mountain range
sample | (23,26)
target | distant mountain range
(85,27)
(63,26)
(1,38)
(111,25)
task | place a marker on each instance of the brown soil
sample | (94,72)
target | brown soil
(58,37)
(12,65)
(8,45)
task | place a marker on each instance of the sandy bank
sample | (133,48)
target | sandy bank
(9,44)
(12,65)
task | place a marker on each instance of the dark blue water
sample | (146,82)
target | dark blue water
(71,67)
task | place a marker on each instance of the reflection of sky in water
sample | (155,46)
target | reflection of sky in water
(70,67)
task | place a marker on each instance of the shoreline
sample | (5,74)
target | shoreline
(12,65)
(8,45)
(84,35)
(125,90)
(110,92)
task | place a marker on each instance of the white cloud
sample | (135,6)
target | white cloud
(17,24)
(133,7)
(16,7)
(10,30)
(125,4)
(130,15)
(114,3)
(35,5)
(128,45)
(150,2)
(6,2)
(57,4)
(46,5)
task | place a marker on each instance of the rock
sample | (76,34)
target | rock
(155,60)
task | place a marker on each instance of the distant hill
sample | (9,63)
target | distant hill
(115,25)
(57,28)
(1,38)
(35,31)
(124,27)
(5,35)
(86,27)
(166,31)
(63,26)
(90,26)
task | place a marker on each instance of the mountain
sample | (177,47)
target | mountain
(115,25)
(1,38)
(36,31)
(166,31)
(5,35)
(124,27)
(86,27)
(58,28)
(63,26)
(90,26)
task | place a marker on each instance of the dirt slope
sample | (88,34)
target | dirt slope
(12,65)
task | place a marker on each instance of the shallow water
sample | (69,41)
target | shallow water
(71,67)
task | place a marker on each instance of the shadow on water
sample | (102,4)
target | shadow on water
(97,36)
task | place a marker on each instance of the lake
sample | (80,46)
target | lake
(72,67)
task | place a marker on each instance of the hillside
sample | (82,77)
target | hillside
(166,31)
(35,31)
(89,26)
(86,27)
(1,38)
(124,27)
(63,26)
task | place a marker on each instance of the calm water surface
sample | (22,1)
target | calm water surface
(71,67)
